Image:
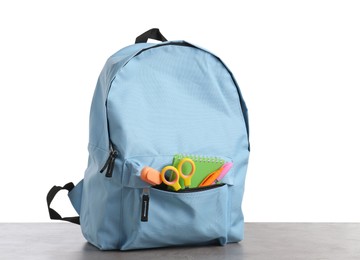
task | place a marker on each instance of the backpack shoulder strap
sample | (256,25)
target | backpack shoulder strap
(74,194)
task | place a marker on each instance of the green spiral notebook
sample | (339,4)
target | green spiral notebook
(204,166)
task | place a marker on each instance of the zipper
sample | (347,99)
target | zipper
(197,189)
(109,164)
(145,205)
(145,197)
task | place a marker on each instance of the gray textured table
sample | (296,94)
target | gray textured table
(263,241)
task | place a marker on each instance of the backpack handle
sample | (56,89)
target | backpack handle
(153,33)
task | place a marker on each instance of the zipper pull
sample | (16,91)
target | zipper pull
(145,205)
(109,165)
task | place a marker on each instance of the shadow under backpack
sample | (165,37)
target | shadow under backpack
(154,101)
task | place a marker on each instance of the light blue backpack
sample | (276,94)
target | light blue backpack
(153,101)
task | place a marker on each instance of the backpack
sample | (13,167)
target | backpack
(156,103)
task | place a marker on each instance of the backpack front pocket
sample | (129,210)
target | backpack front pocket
(177,218)
(156,218)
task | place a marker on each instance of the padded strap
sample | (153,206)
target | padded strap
(49,198)
(150,34)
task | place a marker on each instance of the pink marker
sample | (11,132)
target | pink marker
(225,169)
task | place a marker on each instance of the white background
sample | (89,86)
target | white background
(297,64)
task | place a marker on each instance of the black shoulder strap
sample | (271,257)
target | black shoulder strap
(49,198)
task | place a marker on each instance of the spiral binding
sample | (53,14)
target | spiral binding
(198,158)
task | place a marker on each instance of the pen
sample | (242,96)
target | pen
(225,169)
(217,175)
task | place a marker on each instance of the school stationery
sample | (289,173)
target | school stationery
(211,178)
(217,175)
(204,166)
(225,169)
(150,175)
(177,173)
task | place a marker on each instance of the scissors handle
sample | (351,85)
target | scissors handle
(174,183)
(186,177)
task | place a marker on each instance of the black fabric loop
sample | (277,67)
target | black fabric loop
(154,34)
(49,198)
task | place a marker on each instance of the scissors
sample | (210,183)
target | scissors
(178,172)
